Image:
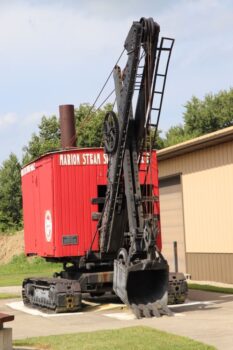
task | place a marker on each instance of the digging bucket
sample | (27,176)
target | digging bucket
(143,286)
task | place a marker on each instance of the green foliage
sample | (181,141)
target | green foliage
(19,260)
(10,195)
(201,116)
(174,135)
(210,288)
(158,141)
(4,296)
(131,338)
(213,113)
(89,125)
(47,140)
(20,267)
(22,262)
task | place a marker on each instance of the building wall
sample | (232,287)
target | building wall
(207,187)
(172,222)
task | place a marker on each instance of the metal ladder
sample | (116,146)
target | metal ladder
(165,48)
(166,45)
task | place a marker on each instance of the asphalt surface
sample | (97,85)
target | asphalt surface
(208,317)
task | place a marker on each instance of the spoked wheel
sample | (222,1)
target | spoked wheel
(111,132)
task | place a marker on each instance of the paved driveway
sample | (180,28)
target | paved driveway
(207,318)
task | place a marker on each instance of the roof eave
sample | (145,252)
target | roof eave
(212,139)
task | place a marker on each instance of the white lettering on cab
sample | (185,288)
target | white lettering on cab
(83,159)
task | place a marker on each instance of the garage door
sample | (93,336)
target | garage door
(172,224)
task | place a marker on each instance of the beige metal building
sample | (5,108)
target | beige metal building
(196,198)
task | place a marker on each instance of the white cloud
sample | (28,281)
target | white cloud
(35,117)
(60,51)
(7,119)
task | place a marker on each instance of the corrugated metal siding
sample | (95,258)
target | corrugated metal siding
(210,267)
(198,161)
(208,209)
(207,197)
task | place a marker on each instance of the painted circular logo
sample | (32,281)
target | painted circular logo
(48,225)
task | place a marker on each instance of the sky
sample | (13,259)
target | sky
(55,52)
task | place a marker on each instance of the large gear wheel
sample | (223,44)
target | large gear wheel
(111,132)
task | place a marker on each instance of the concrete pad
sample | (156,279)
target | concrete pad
(19,305)
(207,318)
(11,290)
(123,316)
(190,304)
(89,307)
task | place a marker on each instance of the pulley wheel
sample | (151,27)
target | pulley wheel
(111,132)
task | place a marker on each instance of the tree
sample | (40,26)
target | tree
(174,135)
(212,113)
(10,194)
(89,125)
(47,140)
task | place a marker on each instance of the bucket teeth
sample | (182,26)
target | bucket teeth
(137,312)
(150,310)
(167,311)
(154,310)
(146,311)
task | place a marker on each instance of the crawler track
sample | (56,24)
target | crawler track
(52,294)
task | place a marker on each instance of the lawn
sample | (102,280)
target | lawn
(20,267)
(209,288)
(9,296)
(134,338)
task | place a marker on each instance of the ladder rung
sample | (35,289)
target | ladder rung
(168,39)
(154,125)
(155,109)
(158,92)
(161,75)
(164,49)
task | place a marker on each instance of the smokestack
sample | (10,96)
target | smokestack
(67,126)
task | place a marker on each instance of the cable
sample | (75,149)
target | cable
(109,76)
(105,99)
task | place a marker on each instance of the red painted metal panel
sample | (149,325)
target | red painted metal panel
(47,216)
(76,176)
(28,187)
(57,192)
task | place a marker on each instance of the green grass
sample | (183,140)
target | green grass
(134,338)
(9,296)
(20,267)
(209,288)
